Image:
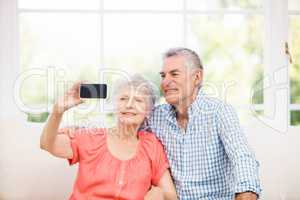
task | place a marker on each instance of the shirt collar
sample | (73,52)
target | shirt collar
(195,107)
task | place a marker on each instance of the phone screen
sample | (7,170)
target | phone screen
(93,91)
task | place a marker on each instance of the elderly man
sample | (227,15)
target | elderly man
(207,150)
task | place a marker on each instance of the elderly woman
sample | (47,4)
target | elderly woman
(117,163)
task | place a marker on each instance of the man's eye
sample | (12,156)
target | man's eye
(162,76)
(123,98)
(175,74)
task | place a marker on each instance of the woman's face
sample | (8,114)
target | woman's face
(133,106)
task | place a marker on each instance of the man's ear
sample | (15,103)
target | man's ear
(198,77)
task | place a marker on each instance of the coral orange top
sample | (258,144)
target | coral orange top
(103,176)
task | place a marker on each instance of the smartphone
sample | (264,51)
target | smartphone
(93,91)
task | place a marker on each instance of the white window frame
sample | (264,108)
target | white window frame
(276,65)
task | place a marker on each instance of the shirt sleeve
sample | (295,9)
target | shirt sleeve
(159,163)
(238,151)
(151,121)
(74,134)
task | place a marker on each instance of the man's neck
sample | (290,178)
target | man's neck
(182,112)
(183,106)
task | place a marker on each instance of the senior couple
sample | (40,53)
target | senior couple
(193,149)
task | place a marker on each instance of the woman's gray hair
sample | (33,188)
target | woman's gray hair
(138,83)
(192,59)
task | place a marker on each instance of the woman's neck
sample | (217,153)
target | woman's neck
(126,132)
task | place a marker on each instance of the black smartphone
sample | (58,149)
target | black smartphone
(93,91)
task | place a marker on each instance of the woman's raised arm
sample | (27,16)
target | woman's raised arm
(59,145)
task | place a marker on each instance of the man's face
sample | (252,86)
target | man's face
(178,82)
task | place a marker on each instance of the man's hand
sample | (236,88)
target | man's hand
(246,196)
(155,193)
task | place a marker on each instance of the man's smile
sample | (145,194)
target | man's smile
(171,91)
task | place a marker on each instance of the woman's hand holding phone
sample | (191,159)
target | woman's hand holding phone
(70,99)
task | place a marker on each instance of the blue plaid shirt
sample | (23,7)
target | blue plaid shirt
(211,160)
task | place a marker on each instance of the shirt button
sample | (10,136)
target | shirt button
(120,182)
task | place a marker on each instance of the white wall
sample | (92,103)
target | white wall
(278,154)
(28,172)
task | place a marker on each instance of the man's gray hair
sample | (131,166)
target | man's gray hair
(139,83)
(192,59)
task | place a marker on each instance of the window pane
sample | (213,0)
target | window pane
(223,4)
(133,45)
(65,41)
(294,4)
(231,50)
(144,4)
(295,118)
(294,33)
(59,4)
